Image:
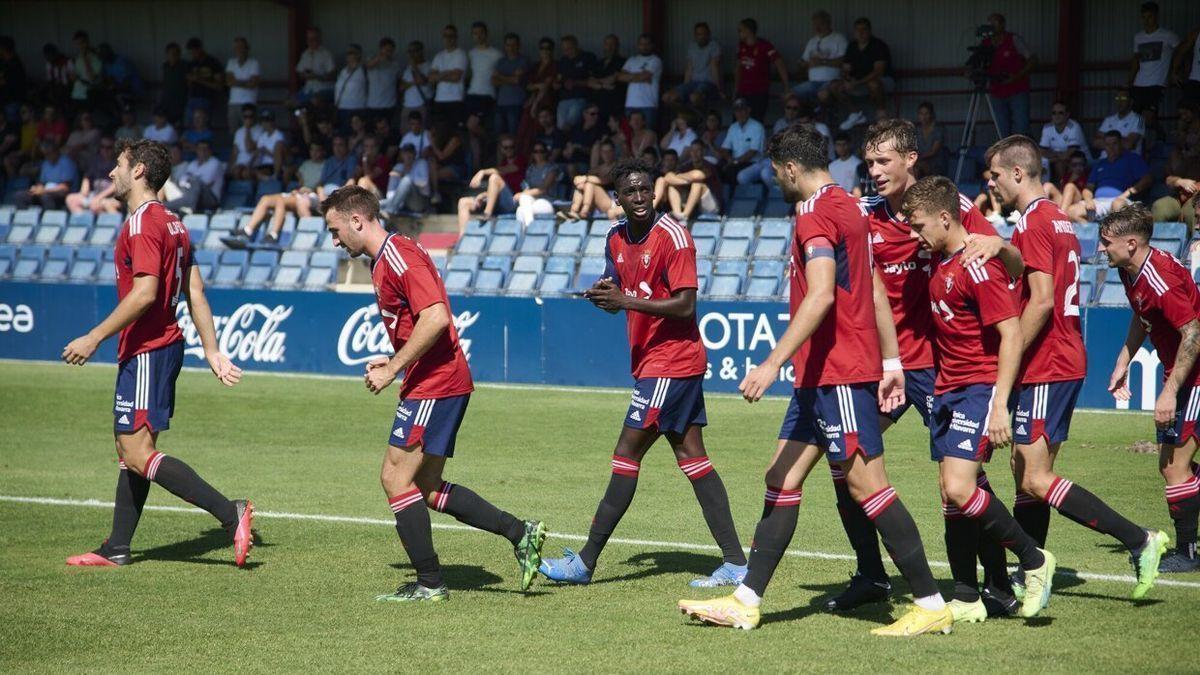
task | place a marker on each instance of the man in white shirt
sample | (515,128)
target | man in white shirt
(383,71)
(1125,121)
(643,72)
(481,93)
(1061,137)
(1153,48)
(414,81)
(1190,81)
(200,182)
(161,131)
(418,136)
(408,183)
(844,167)
(316,68)
(271,143)
(743,146)
(242,76)
(350,90)
(822,59)
(702,75)
(448,72)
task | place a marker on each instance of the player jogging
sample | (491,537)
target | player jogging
(651,275)
(1054,364)
(434,393)
(155,272)
(977,350)
(835,348)
(1166,308)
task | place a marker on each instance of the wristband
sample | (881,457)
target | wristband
(892,364)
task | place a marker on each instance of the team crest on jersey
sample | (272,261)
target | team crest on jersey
(620,258)
(949,282)
(646,260)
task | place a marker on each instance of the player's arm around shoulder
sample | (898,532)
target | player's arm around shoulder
(226,372)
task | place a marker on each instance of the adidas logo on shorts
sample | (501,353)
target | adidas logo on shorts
(124,419)
(398,433)
(833,448)
(966,445)
(1021,429)
(635,416)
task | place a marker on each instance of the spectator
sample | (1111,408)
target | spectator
(641,137)
(121,78)
(1183,171)
(373,168)
(702,74)
(26,134)
(1154,141)
(59,73)
(866,71)
(408,186)
(712,135)
(643,73)
(243,158)
(1118,176)
(665,162)
(796,112)
(171,190)
(1061,138)
(10,141)
(1153,49)
(83,143)
(575,67)
(694,187)
(172,98)
(315,128)
(481,93)
(540,185)
(1190,81)
(1125,122)
(743,146)
(316,68)
(358,132)
(577,152)
(542,93)
(1008,78)
(14,83)
(87,72)
(447,159)
(549,136)
(1071,182)
(414,81)
(932,153)
(160,131)
(55,179)
(52,126)
(350,90)
(303,201)
(418,136)
(383,73)
(204,78)
(199,131)
(500,184)
(272,147)
(200,183)
(597,180)
(607,91)
(822,59)
(129,129)
(242,76)
(845,166)
(680,137)
(752,76)
(449,72)
(509,79)
(480,145)
(338,170)
(96,191)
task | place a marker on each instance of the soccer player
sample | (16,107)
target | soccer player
(651,275)
(903,270)
(434,392)
(1166,308)
(977,349)
(155,271)
(834,343)
(1054,364)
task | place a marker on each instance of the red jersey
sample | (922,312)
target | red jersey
(905,268)
(754,64)
(406,282)
(969,302)
(1164,297)
(845,347)
(655,268)
(154,242)
(1047,241)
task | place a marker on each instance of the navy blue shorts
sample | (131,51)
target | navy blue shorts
(918,393)
(1187,410)
(669,404)
(843,419)
(960,423)
(145,391)
(432,422)
(1044,410)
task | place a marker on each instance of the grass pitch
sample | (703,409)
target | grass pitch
(312,447)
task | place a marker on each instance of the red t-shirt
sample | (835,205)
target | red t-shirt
(152,241)
(1006,62)
(1047,241)
(845,347)
(513,179)
(655,268)
(754,63)
(1164,297)
(969,302)
(905,268)
(406,282)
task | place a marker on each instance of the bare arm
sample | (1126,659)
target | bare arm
(891,385)
(608,296)
(1185,360)
(431,323)
(982,248)
(1134,338)
(1009,357)
(782,70)
(129,309)
(1040,307)
(202,319)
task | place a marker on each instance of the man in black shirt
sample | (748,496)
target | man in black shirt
(172,98)
(574,68)
(205,79)
(866,72)
(607,92)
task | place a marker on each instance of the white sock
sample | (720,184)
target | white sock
(933,603)
(747,597)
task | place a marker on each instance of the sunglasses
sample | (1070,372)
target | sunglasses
(591,113)
(507,147)
(536,151)
(791,107)
(1058,112)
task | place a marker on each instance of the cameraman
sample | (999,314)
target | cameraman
(1008,77)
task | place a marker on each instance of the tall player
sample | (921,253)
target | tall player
(978,353)
(904,268)
(434,391)
(155,272)
(1166,308)
(1054,364)
(835,349)
(651,275)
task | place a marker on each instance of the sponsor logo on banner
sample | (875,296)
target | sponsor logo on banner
(15,318)
(364,336)
(250,333)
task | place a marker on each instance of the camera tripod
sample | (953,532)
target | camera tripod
(968,136)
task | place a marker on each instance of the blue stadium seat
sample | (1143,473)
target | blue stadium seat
(522,282)
(554,282)
(29,261)
(775,227)
(1168,244)
(595,245)
(294,259)
(560,265)
(225,222)
(311,224)
(207,262)
(471,243)
(733,248)
(745,202)
(238,194)
(489,280)
(724,286)
(324,259)
(702,284)
(1113,294)
(590,270)
(195,221)
(287,277)
(55,218)
(319,277)
(20,234)
(458,280)
(776,208)
(535,243)
(305,240)
(231,268)
(1163,230)
(325,243)
(1089,239)
(502,243)
(57,263)
(4,232)
(709,229)
(29,216)
(739,228)
(84,219)
(1085,294)
(705,245)
(479,227)
(529,263)
(439,261)
(771,247)
(76,235)
(761,287)
(566,244)
(84,268)
(735,268)
(704,267)
(262,267)
(543,227)
(502,263)
(463,262)
(267,187)
(47,234)
(212,239)
(599,228)
(6,214)
(768,269)
(8,258)
(109,220)
(506,225)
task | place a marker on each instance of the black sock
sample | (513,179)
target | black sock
(1033,515)
(1085,508)
(1183,502)
(999,524)
(781,510)
(412,524)
(180,480)
(714,503)
(962,543)
(127,510)
(900,537)
(617,498)
(992,555)
(469,508)
(859,529)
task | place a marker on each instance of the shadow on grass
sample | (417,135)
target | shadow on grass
(193,550)
(656,563)
(473,578)
(881,613)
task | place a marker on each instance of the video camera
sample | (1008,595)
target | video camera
(980,59)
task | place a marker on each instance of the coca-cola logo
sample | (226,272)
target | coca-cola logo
(364,336)
(249,334)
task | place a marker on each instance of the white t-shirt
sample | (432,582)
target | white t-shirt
(350,92)
(412,95)
(1195,74)
(483,64)
(208,172)
(1071,135)
(266,145)
(1131,123)
(1154,51)
(444,61)
(643,94)
(244,156)
(845,172)
(680,143)
(242,71)
(419,175)
(167,134)
(381,85)
(418,141)
(319,62)
(831,46)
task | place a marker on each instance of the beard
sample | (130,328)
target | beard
(791,194)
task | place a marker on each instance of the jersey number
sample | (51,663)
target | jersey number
(943,310)
(1071,298)
(175,296)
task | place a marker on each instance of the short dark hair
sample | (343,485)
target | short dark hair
(750,25)
(451,27)
(902,134)
(670,151)
(387,42)
(81,35)
(801,145)
(841,136)
(414,115)
(479,24)
(628,166)
(512,36)
(1112,133)
(352,199)
(195,43)
(155,156)
(928,105)
(863,21)
(1150,7)
(702,24)
(545,42)
(1016,150)
(932,194)
(1134,219)
(241,40)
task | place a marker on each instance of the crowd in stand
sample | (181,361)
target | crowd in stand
(490,129)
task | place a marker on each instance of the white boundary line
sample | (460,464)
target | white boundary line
(356,520)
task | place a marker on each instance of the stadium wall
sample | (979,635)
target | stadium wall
(556,341)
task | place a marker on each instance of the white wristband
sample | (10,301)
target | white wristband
(892,364)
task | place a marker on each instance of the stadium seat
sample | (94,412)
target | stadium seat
(502,263)
(745,201)
(489,280)
(231,268)
(502,244)
(535,243)
(560,264)
(770,247)
(20,234)
(528,263)
(319,277)
(702,284)
(1113,294)
(270,186)
(287,277)
(1085,294)
(305,240)
(325,243)
(471,243)
(507,225)
(554,282)
(600,228)
(109,220)
(463,262)
(775,227)
(734,268)
(57,263)
(294,259)
(225,222)
(577,228)
(733,248)
(708,229)
(566,244)
(522,282)
(311,224)
(324,259)
(212,239)
(1163,230)
(76,235)
(1089,239)
(262,267)
(8,258)
(724,286)
(55,218)
(85,219)
(238,194)
(1170,245)
(776,208)
(768,269)
(6,214)
(29,216)
(590,269)
(542,227)
(479,227)
(458,280)
(47,234)
(595,245)
(705,246)
(704,267)
(29,261)
(195,221)
(739,228)
(3,232)
(761,287)
(87,262)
